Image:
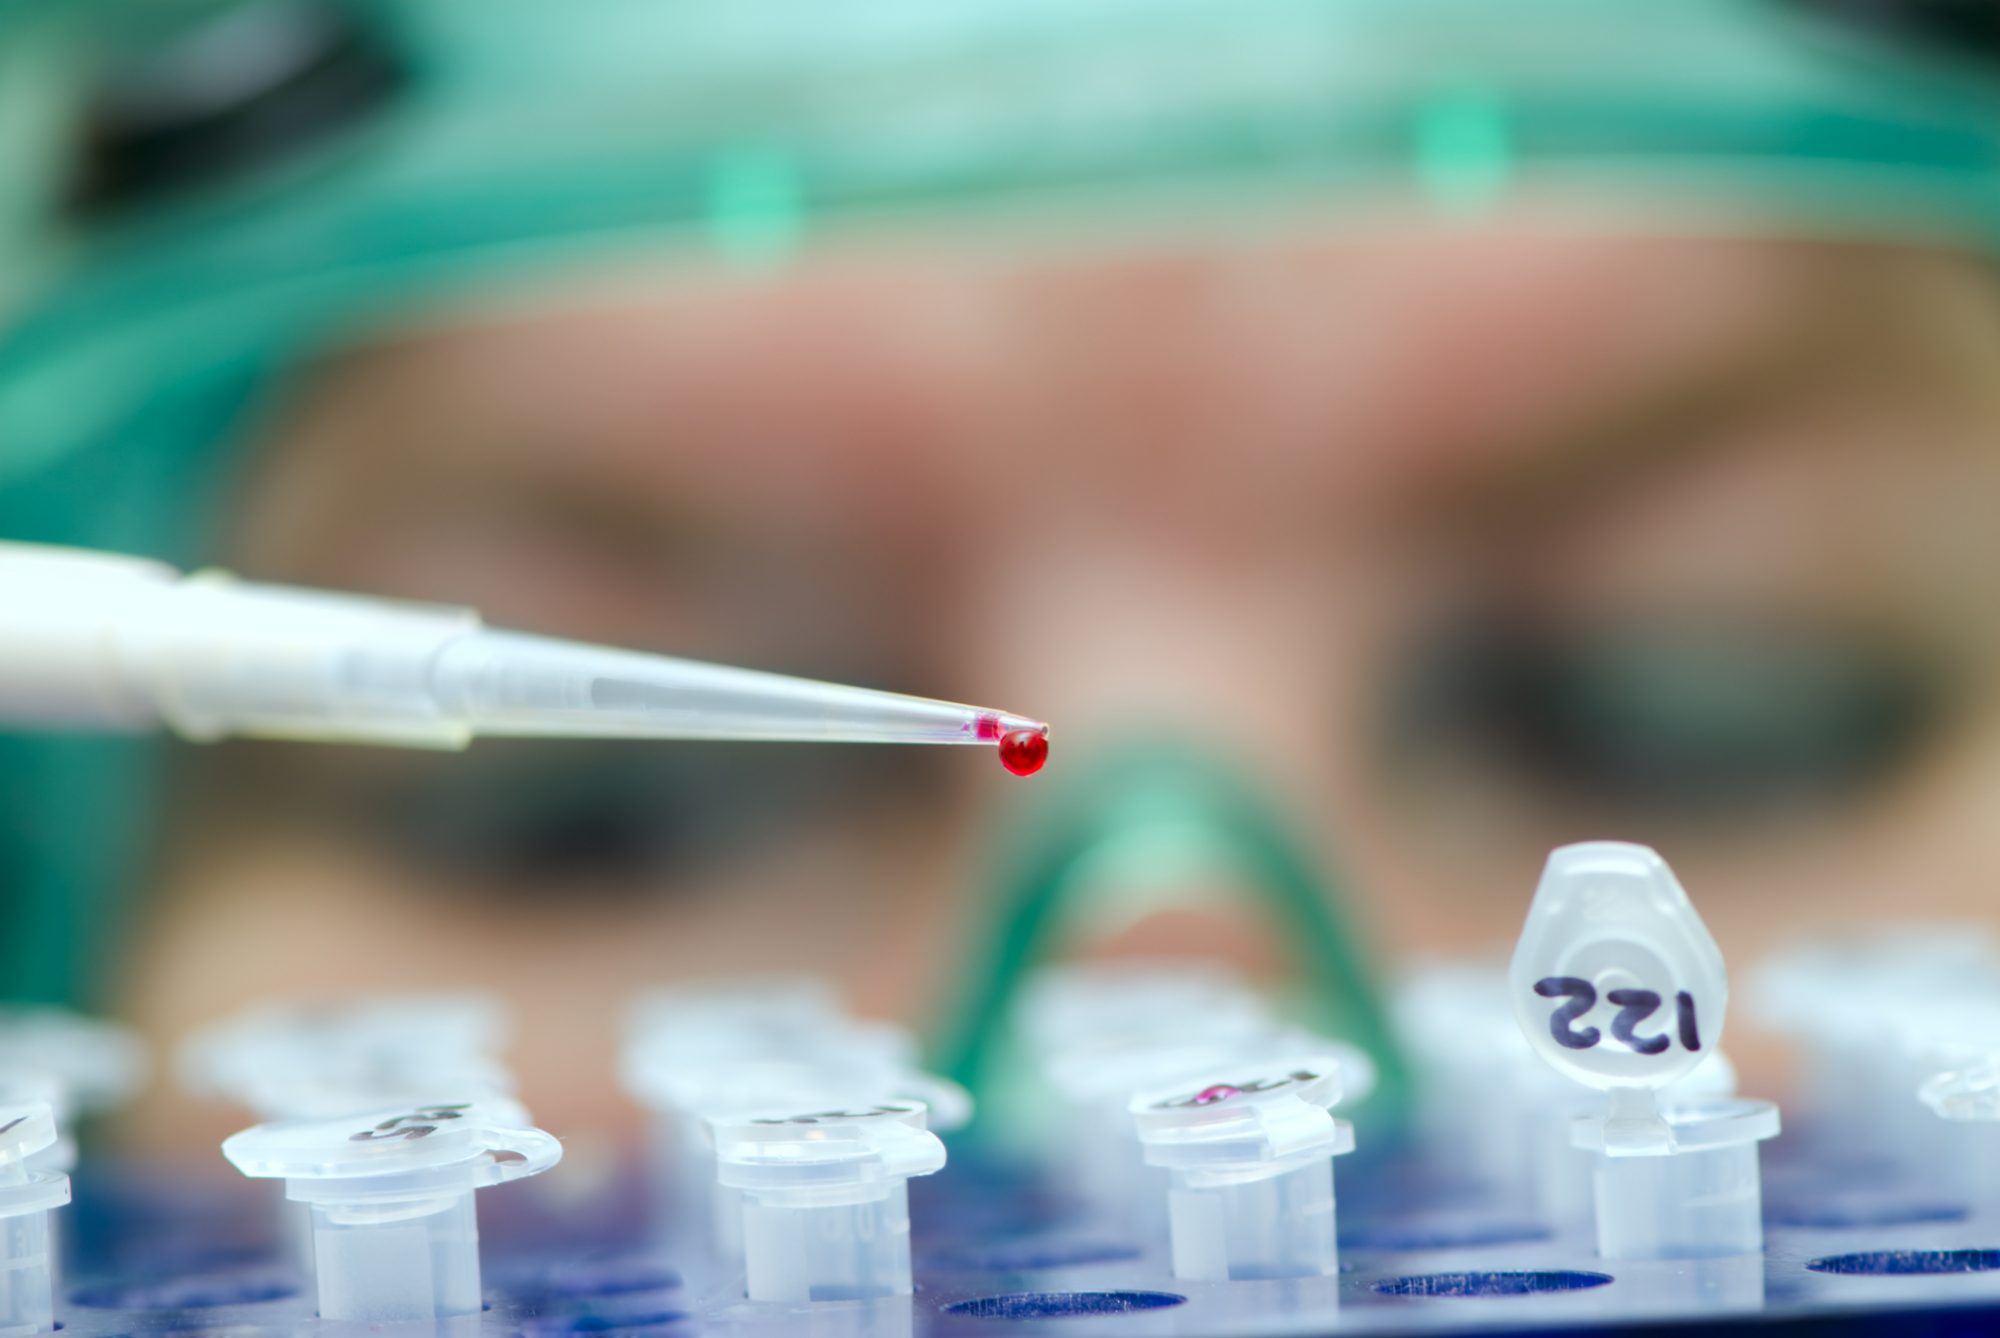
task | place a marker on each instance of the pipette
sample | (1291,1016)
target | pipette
(98,641)
(1618,985)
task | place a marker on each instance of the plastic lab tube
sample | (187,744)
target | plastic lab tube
(318,1058)
(32,1089)
(1454,1021)
(829,1080)
(1108,1003)
(775,1005)
(394,1234)
(1094,1083)
(112,642)
(1876,1015)
(58,1157)
(730,1046)
(1610,939)
(1703,1200)
(1250,1162)
(27,1195)
(1562,1178)
(826,1208)
(1092,1033)
(1967,1101)
(95,1065)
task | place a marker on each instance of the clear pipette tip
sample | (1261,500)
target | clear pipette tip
(510,683)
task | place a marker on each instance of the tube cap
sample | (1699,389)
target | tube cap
(395,1153)
(1616,982)
(28,1128)
(1245,1126)
(826,1155)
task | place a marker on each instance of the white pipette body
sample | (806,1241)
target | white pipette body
(96,641)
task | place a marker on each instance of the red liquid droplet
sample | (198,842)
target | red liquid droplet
(1208,1096)
(1022,751)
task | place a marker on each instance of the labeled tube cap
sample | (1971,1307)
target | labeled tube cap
(1616,982)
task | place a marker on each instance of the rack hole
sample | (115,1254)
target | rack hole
(1893,1263)
(1504,1282)
(1056,1305)
(650,1325)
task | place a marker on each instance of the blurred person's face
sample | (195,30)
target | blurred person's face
(1471,543)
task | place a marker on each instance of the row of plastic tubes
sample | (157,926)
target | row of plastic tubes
(1896,1030)
(787,1130)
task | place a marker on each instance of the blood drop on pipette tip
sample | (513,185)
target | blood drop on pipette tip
(1022,751)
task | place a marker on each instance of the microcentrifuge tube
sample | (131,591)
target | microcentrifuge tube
(313,1059)
(829,1080)
(1877,1014)
(1968,1093)
(394,1234)
(32,1089)
(58,1156)
(1966,1099)
(1094,1032)
(1617,985)
(826,1208)
(27,1195)
(1080,1004)
(731,1046)
(96,1065)
(772,1004)
(1250,1161)
(1100,1153)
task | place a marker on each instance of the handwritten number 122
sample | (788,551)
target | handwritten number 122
(1634,1007)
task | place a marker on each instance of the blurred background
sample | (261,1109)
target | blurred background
(1387,439)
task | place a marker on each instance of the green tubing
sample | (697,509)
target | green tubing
(1145,811)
